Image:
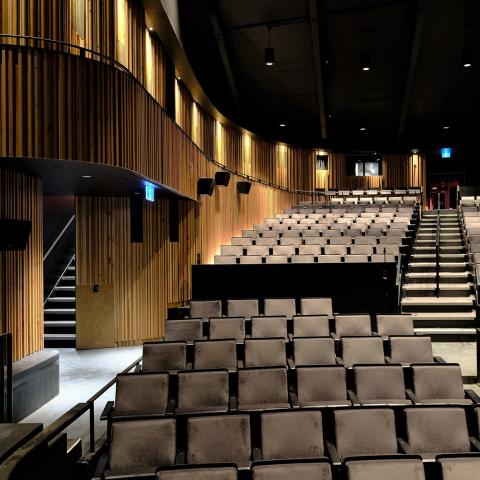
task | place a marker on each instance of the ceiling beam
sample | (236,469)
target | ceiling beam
(217,30)
(317,60)
(412,67)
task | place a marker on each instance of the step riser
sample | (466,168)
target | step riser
(60,329)
(432,293)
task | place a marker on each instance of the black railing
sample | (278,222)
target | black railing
(6,388)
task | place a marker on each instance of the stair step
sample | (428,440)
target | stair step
(65,288)
(59,323)
(443,316)
(70,268)
(59,311)
(445,286)
(61,299)
(60,336)
(460,301)
(69,278)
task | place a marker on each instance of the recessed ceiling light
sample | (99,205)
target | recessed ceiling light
(363,129)
(446,127)
(282,125)
(86,176)
(467,58)
(366,63)
(151,29)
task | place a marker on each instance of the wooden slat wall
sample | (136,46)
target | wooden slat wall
(21,279)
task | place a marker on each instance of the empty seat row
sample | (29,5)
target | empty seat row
(314,238)
(279,259)
(333,230)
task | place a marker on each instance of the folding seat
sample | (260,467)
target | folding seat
(347,241)
(260,227)
(215,354)
(291,241)
(390,240)
(142,445)
(395,200)
(335,250)
(289,221)
(164,356)
(329,259)
(314,351)
(337,201)
(380,224)
(356,258)
(280,306)
(362,350)
(459,467)
(326,220)
(290,234)
(388,325)
(364,431)
(315,241)
(291,434)
(258,250)
(361,249)
(351,201)
(390,210)
(201,473)
(203,391)
(339,227)
(276,259)
(265,352)
(438,383)
(310,325)
(382,258)
(410,349)
(374,210)
(307,221)
(388,249)
(365,241)
(269,327)
(350,215)
(303,259)
(385,467)
(287,250)
(344,221)
(352,326)
(205,309)
(141,394)
(307,470)
(227,327)
(467,201)
(282,215)
(310,233)
(315,216)
(184,330)
(298,228)
(322,386)
(365,201)
(272,233)
(266,241)
(354,231)
(243,241)
(242,308)
(250,233)
(224,259)
(379,200)
(319,227)
(251,259)
(380,385)
(262,388)
(316,306)
(272,221)
(435,430)
(375,232)
(309,250)
(219,439)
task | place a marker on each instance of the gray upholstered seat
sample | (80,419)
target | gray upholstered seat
(261,388)
(411,349)
(224,259)
(356,259)
(395,325)
(269,327)
(431,431)
(380,385)
(142,444)
(316,306)
(314,351)
(310,326)
(141,394)
(366,350)
(276,259)
(250,259)
(292,434)
(203,391)
(361,249)
(329,259)
(164,356)
(184,330)
(227,327)
(438,383)
(360,431)
(235,250)
(280,307)
(219,439)
(293,471)
(335,250)
(322,386)
(352,325)
(385,469)
(459,468)
(215,354)
(265,352)
(206,308)
(201,473)
(242,308)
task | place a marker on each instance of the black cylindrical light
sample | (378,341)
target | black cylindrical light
(269,56)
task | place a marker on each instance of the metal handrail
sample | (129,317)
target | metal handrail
(60,235)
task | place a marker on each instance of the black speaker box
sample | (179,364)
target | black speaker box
(205,186)
(222,178)
(136,218)
(244,187)
(14,234)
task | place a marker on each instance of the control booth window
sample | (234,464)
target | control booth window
(364,165)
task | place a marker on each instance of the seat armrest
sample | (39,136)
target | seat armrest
(144,476)
(475,444)
(388,359)
(233,403)
(353,397)
(180,457)
(334,336)
(171,406)
(410,395)
(293,399)
(138,368)
(332,453)
(239,364)
(439,360)
(291,364)
(108,410)
(474,397)
(189,366)
(256,454)
(339,361)
(404,447)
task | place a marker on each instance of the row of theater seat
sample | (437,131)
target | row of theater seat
(312,237)
(332,208)
(296,236)
(372,214)
(258,389)
(267,352)
(146,444)
(397,200)
(282,259)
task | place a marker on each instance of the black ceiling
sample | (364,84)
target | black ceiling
(416,86)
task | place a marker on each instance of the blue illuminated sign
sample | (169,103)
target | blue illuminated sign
(149,192)
(446,152)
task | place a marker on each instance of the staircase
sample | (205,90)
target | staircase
(59,311)
(447,314)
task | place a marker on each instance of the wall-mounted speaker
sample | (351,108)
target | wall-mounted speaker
(15,234)
(244,187)
(205,186)
(136,218)
(222,178)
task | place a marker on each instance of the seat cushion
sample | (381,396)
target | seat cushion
(293,471)
(208,473)
(388,469)
(455,468)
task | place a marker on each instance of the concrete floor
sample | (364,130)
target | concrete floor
(82,374)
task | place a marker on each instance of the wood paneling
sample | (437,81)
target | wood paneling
(21,272)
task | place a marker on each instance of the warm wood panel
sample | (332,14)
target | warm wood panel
(21,278)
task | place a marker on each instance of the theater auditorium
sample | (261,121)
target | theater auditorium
(239,239)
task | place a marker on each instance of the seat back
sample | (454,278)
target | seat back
(280,307)
(203,390)
(141,394)
(184,330)
(352,325)
(458,468)
(224,259)
(269,327)
(386,469)
(303,258)
(242,308)
(395,325)
(163,356)
(437,381)
(142,443)
(362,350)
(215,354)
(206,308)
(227,327)
(316,306)
(321,385)
(219,439)
(292,434)
(411,349)
(265,352)
(202,473)
(314,351)
(320,470)
(310,326)
(362,431)
(379,382)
